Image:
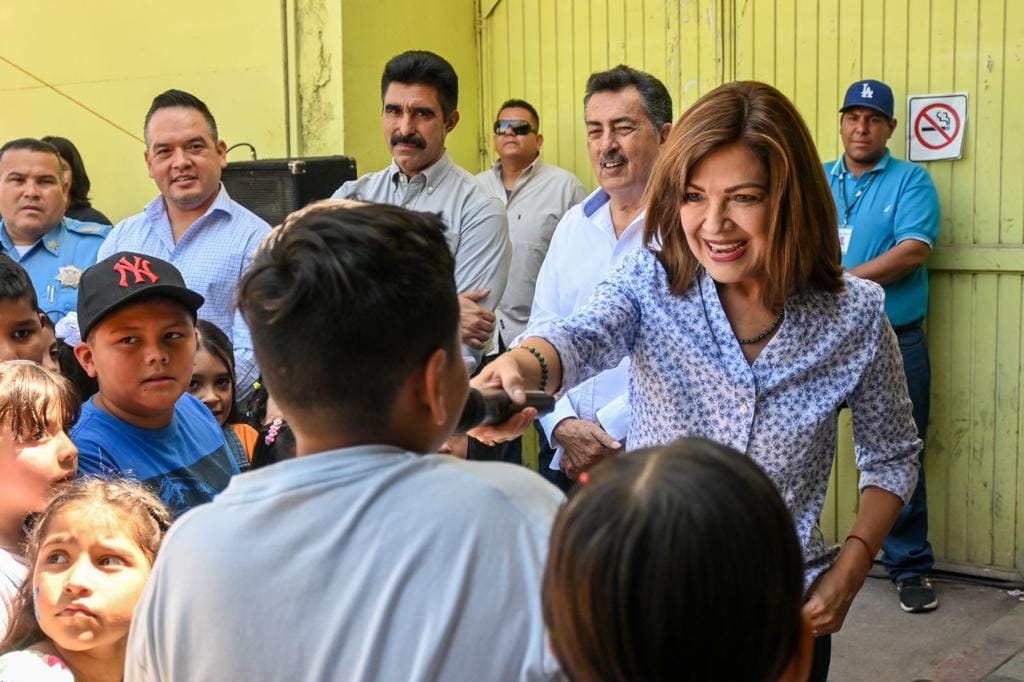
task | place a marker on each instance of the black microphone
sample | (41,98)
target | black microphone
(494,407)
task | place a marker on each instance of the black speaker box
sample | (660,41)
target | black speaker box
(273,188)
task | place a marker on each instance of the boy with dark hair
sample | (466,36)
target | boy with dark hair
(374,561)
(21,329)
(137,321)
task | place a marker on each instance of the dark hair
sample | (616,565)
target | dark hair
(30,144)
(803,237)
(15,284)
(85,386)
(80,183)
(344,303)
(146,516)
(418,67)
(280,447)
(521,104)
(179,98)
(675,563)
(657,101)
(215,342)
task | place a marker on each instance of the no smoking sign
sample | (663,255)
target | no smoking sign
(935,130)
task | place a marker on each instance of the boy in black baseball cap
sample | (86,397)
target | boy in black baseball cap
(137,320)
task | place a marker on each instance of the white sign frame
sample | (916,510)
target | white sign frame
(935,127)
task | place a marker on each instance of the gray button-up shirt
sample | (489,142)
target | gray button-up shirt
(542,194)
(477,226)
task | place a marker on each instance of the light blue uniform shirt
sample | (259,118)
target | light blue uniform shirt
(56,261)
(211,255)
(897,202)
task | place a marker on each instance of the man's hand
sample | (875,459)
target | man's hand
(585,444)
(476,322)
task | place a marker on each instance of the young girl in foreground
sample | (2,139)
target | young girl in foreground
(213,382)
(36,458)
(677,563)
(90,553)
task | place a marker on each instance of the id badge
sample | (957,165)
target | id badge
(845,234)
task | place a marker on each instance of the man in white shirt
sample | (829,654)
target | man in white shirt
(420,96)
(628,117)
(536,195)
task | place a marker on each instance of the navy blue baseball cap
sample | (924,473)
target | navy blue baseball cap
(871,94)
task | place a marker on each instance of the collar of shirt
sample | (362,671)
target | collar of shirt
(157,208)
(432,175)
(529,172)
(839,167)
(597,208)
(156,214)
(51,240)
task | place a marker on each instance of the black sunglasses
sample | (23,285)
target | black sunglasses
(518,127)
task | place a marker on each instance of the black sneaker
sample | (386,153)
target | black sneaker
(917,595)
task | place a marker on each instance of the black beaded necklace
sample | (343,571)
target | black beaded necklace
(772,327)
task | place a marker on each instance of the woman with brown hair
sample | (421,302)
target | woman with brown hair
(742,328)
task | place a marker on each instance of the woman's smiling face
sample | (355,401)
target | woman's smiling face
(725,214)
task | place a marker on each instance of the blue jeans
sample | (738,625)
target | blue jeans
(907,553)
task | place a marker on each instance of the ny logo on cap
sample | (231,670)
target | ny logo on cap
(866,92)
(140,268)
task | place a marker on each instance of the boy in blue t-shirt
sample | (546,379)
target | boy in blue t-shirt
(137,320)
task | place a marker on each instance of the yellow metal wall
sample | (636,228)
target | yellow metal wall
(114,56)
(297,77)
(543,50)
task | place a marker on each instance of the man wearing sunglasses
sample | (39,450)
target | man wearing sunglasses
(535,195)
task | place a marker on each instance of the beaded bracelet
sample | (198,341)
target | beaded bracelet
(543,365)
(871,555)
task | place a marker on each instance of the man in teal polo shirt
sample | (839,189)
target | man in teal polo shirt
(54,250)
(888,224)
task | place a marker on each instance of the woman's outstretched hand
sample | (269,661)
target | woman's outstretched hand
(503,373)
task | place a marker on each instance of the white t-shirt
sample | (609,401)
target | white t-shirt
(367,563)
(13,572)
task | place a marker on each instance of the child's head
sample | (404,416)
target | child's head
(90,554)
(678,562)
(213,378)
(36,455)
(51,357)
(137,322)
(354,320)
(276,442)
(21,330)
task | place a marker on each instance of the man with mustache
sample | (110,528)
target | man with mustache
(54,250)
(628,116)
(193,223)
(419,94)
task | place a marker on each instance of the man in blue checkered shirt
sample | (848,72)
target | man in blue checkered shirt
(194,224)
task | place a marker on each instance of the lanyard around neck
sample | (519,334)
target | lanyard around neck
(845,208)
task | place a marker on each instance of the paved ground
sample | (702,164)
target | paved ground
(977,633)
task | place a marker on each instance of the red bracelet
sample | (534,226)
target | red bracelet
(871,555)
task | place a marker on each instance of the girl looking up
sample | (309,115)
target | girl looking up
(90,554)
(36,458)
(213,382)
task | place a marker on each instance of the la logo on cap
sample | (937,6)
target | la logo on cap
(139,268)
(866,92)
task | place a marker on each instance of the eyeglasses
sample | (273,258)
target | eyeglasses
(518,127)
